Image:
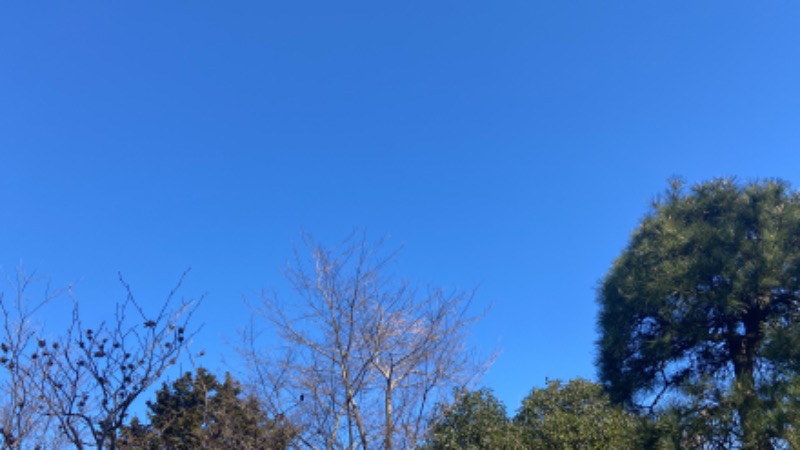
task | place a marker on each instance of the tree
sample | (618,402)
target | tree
(576,415)
(180,411)
(21,423)
(700,306)
(79,387)
(137,436)
(681,426)
(89,379)
(199,412)
(238,421)
(476,420)
(363,358)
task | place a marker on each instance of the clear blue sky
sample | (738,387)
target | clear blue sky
(511,146)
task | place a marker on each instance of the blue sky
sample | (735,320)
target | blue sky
(508,146)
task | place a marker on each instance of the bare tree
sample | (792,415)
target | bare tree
(79,387)
(364,358)
(21,423)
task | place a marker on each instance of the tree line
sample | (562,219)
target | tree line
(363,359)
(698,348)
(699,328)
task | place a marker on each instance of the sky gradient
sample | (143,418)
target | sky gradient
(510,146)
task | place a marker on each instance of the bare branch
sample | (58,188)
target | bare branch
(363,357)
(79,387)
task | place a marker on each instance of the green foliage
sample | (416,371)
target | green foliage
(477,420)
(137,436)
(578,415)
(179,411)
(199,412)
(702,307)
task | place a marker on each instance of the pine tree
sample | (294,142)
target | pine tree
(196,411)
(702,308)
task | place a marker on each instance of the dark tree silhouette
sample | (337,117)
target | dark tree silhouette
(198,411)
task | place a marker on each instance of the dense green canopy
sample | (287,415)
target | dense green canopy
(577,414)
(573,415)
(198,411)
(477,420)
(703,302)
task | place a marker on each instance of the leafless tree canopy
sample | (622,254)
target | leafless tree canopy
(78,387)
(363,357)
(22,425)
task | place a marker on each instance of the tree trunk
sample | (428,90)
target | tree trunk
(743,347)
(389,419)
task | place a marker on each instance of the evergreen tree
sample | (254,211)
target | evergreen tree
(137,436)
(238,421)
(701,309)
(196,411)
(477,420)
(180,412)
(576,415)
